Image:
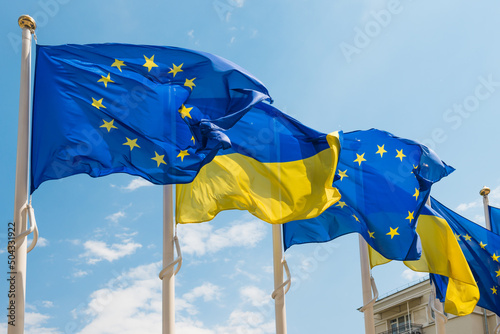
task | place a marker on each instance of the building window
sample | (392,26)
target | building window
(400,325)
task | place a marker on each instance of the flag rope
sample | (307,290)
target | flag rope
(33,227)
(178,260)
(375,295)
(288,282)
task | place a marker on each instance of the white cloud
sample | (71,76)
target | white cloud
(208,291)
(247,322)
(80,273)
(47,304)
(137,183)
(203,238)
(191,33)
(42,242)
(236,3)
(34,324)
(255,296)
(115,217)
(97,251)
(411,275)
(466,206)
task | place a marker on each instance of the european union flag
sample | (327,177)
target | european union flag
(481,248)
(156,112)
(494,219)
(384,182)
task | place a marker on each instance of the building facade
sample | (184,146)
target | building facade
(407,311)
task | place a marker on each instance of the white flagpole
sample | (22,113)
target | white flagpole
(17,275)
(279,292)
(168,278)
(366,287)
(486,202)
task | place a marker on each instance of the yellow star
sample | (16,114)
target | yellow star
(416,194)
(343,174)
(118,64)
(176,69)
(381,151)
(185,111)
(467,237)
(150,62)
(105,80)
(494,290)
(341,204)
(132,143)
(498,272)
(400,155)
(495,257)
(482,245)
(356,218)
(182,154)
(97,103)
(410,216)
(108,125)
(159,159)
(192,138)
(190,83)
(371,234)
(393,232)
(360,158)
(457,236)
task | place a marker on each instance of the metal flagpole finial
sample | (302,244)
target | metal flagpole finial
(485,191)
(26,21)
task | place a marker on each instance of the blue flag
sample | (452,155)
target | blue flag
(384,182)
(481,248)
(494,219)
(156,112)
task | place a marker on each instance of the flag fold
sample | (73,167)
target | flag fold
(277,169)
(481,249)
(156,112)
(384,182)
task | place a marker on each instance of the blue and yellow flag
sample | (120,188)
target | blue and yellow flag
(384,182)
(156,112)
(277,169)
(481,248)
(494,219)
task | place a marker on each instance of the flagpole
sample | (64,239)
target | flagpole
(486,203)
(366,287)
(168,278)
(279,292)
(17,273)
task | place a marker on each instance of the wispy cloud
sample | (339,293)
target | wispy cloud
(115,217)
(255,296)
(131,303)
(34,324)
(97,251)
(207,291)
(137,183)
(80,273)
(411,275)
(204,238)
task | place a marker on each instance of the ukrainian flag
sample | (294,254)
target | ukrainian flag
(277,169)
(442,255)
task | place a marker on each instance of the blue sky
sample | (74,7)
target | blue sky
(422,70)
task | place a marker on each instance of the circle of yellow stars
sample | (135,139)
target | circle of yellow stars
(360,158)
(184,111)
